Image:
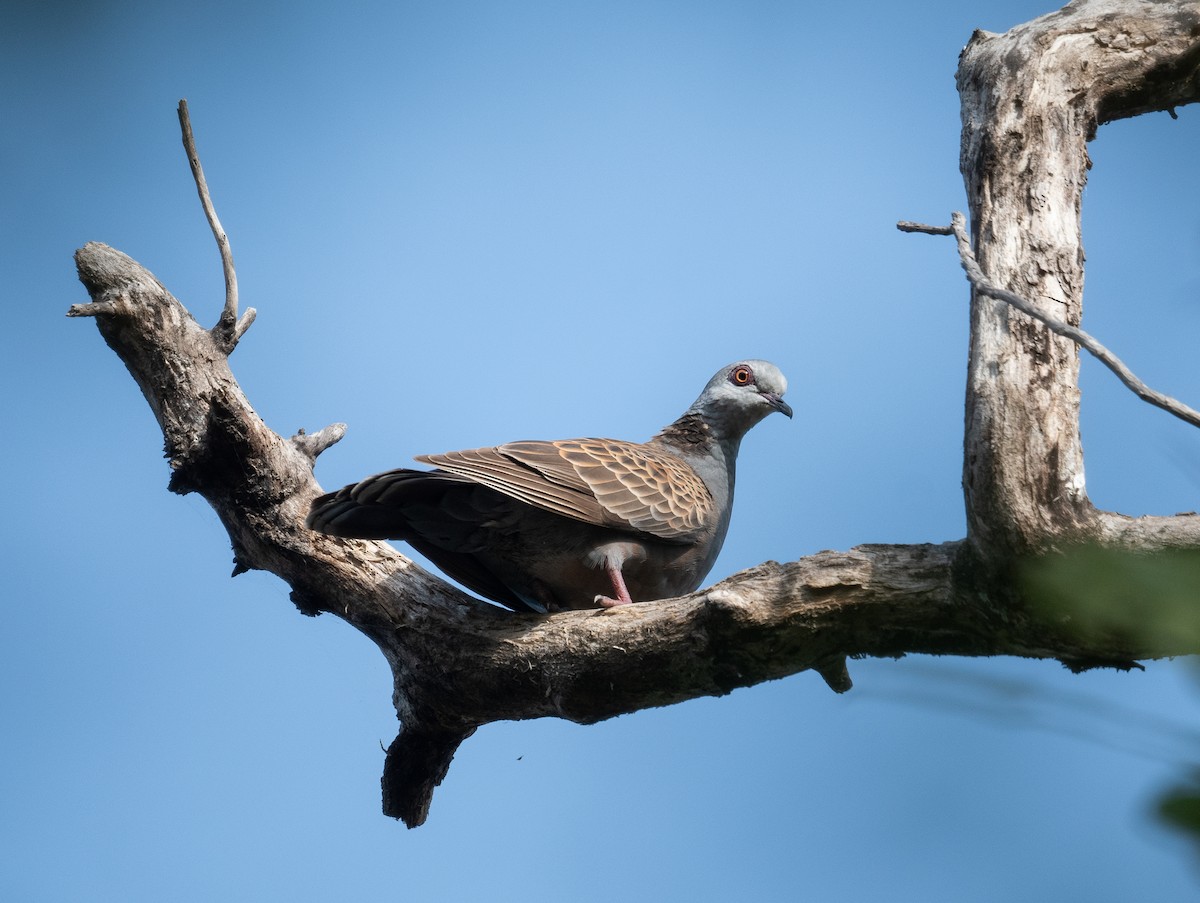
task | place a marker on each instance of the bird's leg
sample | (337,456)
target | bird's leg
(614,574)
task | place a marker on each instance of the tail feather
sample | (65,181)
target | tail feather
(437,513)
(374,508)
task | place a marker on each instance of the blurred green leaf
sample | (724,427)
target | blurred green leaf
(1181,808)
(1150,599)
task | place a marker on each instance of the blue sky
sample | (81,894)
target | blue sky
(465,223)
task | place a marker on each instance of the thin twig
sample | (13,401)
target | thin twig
(94,309)
(980,282)
(907,226)
(229,329)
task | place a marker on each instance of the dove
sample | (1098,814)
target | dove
(545,526)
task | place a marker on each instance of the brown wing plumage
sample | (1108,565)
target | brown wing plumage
(598,481)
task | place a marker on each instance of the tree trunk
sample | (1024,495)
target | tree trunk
(1032,98)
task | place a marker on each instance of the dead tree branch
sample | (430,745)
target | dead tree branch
(1031,100)
(981,284)
(229,328)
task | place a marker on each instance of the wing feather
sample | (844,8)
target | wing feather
(605,482)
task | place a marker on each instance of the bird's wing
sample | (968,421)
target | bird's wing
(598,481)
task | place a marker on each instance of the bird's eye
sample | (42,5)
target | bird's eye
(741,376)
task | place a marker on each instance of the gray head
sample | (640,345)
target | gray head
(740,395)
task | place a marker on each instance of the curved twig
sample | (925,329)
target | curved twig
(229,328)
(1084,340)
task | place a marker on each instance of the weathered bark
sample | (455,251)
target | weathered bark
(1031,100)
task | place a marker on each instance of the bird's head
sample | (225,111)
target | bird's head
(740,395)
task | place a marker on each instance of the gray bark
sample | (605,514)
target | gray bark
(1032,98)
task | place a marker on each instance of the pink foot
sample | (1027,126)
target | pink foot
(605,602)
(618,582)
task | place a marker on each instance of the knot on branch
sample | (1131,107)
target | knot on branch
(416,763)
(312,444)
(834,672)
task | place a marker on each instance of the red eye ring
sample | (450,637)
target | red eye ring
(741,376)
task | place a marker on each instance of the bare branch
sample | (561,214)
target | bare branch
(229,328)
(1084,340)
(458,663)
(243,323)
(92,309)
(909,226)
(1081,338)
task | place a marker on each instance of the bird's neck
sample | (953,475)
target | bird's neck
(690,434)
(693,435)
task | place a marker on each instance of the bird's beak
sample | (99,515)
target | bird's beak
(778,403)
